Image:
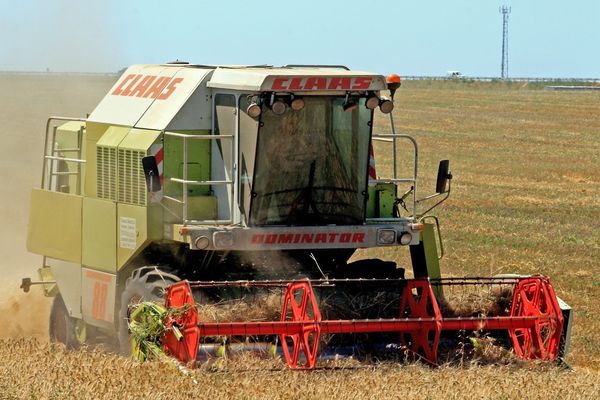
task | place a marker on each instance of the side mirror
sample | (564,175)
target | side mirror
(443,176)
(151,173)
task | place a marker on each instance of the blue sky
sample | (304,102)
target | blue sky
(548,38)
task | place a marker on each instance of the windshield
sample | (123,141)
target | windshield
(311,164)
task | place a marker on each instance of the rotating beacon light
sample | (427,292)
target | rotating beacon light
(393,83)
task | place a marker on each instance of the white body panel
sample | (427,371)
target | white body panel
(157,97)
(68,279)
(188,108)
(126,110)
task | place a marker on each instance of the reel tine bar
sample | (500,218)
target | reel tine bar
(534,324)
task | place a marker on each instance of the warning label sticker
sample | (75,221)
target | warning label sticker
(127,233)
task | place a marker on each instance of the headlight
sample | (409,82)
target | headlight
(372,102)
(386,236)
(223,239)
(386,106)
(405,238)
(297,104)
(253,110)
(202,242)
(278,107)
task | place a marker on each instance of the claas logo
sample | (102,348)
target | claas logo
(321,83)
(147,86)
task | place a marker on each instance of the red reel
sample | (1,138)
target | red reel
(300,305)
(179,296)
(422,342)
(535,297)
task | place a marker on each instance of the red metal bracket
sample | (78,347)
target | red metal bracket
(535,297)
(179,298)
(423,341)
(300,305)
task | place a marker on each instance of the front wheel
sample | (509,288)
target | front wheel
(63,328)
(144,284)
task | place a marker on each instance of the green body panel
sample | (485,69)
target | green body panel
(424,256)
(202,207)
(99,239)
(198,162)
(134,230)
(54,228)
(431,253)
(381,200)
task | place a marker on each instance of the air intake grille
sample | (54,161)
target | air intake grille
(106,164)
(132,183)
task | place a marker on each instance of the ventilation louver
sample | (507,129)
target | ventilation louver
(106,164)
(132,183)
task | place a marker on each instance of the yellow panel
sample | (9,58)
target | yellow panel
(54,228)
(93,132)
(113,136)
(139,139)
(99,234)
(132,228)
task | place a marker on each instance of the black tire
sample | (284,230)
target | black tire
(144,284)
(62,327)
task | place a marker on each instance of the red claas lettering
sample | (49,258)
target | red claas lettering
(147,86)
(282,83)
(119,88)
(362,83)
(279,84)
(170,89)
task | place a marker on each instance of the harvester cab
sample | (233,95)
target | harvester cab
(222,181)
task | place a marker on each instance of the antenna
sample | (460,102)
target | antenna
(504,10)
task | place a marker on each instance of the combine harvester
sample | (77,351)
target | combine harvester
(237,185)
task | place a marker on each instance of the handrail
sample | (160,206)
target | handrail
(185,181)
(408,180)
(48,121)
(392,138)
(201,183)
(67,159)
(198,137)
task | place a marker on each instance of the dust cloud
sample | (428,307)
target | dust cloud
(24,314)
(26,101)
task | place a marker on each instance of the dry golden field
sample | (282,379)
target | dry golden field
(525,199)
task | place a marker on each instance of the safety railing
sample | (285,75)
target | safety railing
(49,169)
(393,139)
(185,182)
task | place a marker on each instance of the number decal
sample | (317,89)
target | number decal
(99,300)
(98,295)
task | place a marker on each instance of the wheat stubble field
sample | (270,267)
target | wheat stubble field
(526,199)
